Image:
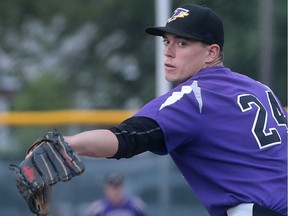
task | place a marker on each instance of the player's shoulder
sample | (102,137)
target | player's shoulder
(137,203)
(96,207)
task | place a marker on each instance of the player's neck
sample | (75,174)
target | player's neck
(216,62)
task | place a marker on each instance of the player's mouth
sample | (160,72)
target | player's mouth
(169,67)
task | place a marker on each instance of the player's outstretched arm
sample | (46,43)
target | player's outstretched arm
(131,137)
(94,143)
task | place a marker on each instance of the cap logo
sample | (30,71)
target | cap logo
(178,13)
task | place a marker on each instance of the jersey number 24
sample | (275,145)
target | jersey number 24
(259,128)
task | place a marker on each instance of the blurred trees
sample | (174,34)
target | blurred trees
(94,54)
(95,47)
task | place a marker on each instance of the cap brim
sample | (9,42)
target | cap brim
(160,31)
(157,31)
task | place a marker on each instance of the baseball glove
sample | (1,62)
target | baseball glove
(49,160)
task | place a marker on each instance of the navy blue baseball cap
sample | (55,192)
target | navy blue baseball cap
(193,22)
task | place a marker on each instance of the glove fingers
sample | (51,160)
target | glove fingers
(45,166)
(70,157)
(62,169)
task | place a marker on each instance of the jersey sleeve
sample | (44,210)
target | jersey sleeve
(139,206)
(95,208)
(178,114)
(137,135)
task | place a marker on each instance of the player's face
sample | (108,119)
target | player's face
(183,58)
(114,193)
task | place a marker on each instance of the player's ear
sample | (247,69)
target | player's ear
(213,53)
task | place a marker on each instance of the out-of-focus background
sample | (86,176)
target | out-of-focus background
(93,55)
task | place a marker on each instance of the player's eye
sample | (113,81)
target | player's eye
(182,43)
(165,42)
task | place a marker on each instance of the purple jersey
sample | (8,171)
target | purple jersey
(227,134)
(130,207)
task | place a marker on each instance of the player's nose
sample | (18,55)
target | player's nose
(169,51)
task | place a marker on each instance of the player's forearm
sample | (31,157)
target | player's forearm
(94,143)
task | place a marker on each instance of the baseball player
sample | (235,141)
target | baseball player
(226,132)
(116,202)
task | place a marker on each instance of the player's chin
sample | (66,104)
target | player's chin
(173,78)
(170,77)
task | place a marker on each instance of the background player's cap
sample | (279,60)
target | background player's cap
(114,179)
(193,22)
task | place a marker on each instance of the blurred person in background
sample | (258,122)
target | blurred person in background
(116,202)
